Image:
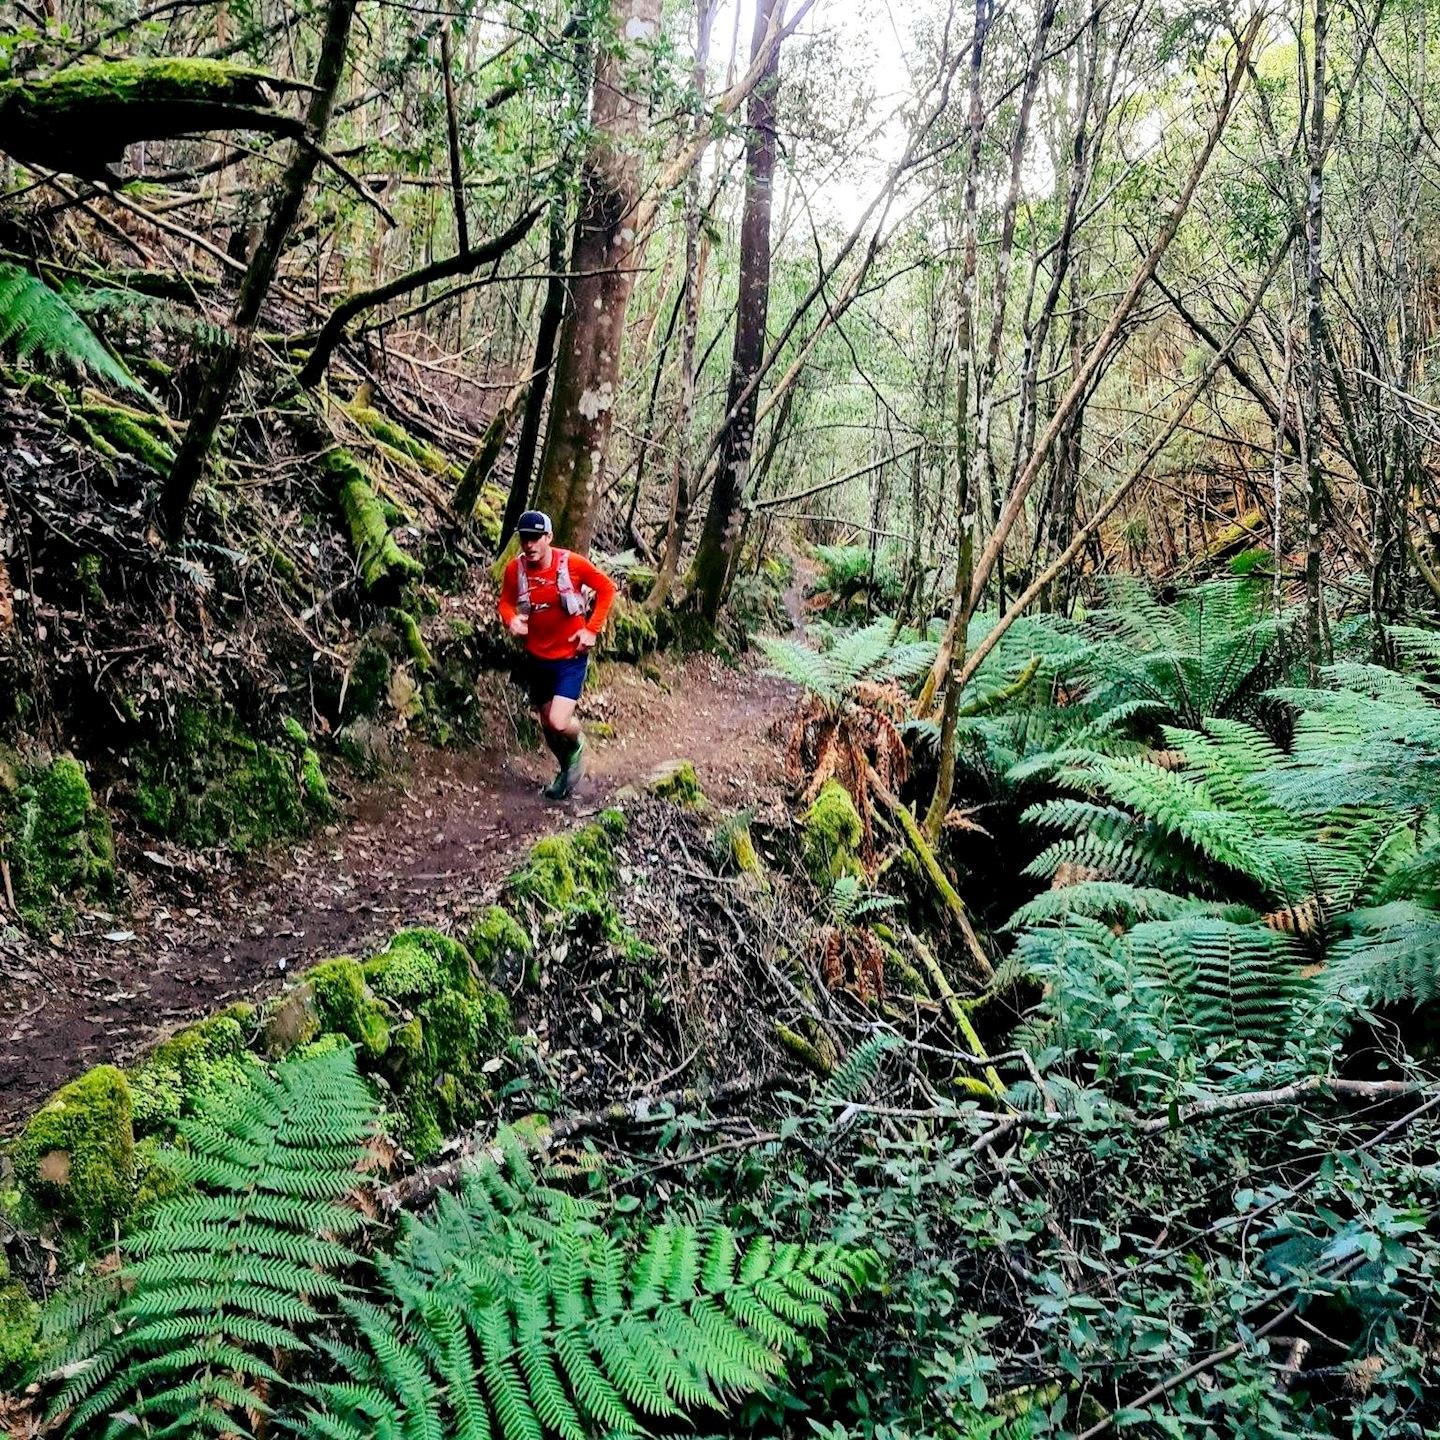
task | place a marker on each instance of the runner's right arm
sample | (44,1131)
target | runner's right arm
(509,604)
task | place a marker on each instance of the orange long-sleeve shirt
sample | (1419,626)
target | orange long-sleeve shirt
(552,631)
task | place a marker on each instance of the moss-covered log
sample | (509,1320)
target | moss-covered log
(81,119)
(384,566)
(487,454)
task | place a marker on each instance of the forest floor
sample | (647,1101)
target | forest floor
(424,847)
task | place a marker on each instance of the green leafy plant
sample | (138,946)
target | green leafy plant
(852,705)
(36,320)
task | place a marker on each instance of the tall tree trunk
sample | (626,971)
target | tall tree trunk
(952,645)
(722,517)
(602,264)
(682,480)
(551,314)
(255,286)
(1315,336)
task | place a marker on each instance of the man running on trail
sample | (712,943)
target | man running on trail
(542,600)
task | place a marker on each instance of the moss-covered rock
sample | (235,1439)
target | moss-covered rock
(561,869)
(313,783)
(462,1035)
(19,1331)
(677,782)
(156,1177)
(288,1022)
(210,784)
(75,1160)
(345,1005)
(831,835)
(495,938)
(629,630)
(179,1074)
(56,840)
(418,964)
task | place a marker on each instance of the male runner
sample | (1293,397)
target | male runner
(543,600)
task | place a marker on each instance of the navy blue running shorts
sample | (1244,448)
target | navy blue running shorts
(545,679)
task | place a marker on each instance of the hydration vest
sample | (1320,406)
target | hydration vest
(571,599)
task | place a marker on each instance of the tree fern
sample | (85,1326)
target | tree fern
(227,1278)
(36,320)
(511,1316)
(1390,955)
(1210,654)
(866,653)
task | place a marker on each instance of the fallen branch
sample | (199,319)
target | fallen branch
(931,865)
(333,330)
(416,1189)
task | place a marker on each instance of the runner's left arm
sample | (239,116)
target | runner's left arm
(582,572)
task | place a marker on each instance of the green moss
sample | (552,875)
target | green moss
(407,1043)
(210,784)
(415,645)
(831,835)
(677,783)
(384,566)
(398,441)
(461,1035)
(75,1160)
(312,774)
(88,569)
(418,964)
(629,630)
(177,1076)
(345,1005)
(495,937)
(129,432)
(562,869)
(369,679)
(639,581)
(55,839)
(489,511)
(737,847)
(156,1178)
(19,1332)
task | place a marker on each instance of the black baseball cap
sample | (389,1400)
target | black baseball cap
(535,522)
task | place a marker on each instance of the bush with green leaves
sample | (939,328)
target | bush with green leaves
(1076,1263)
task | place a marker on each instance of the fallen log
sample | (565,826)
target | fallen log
(81,120)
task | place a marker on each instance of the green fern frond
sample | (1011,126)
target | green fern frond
(1391,956)
(501,1330)
(36,320)
(239,1273)
(853,1077)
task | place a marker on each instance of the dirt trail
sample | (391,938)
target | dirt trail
(421,850)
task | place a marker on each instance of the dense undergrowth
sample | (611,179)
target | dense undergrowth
(1140,1140)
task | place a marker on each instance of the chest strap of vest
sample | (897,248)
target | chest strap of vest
(571,601)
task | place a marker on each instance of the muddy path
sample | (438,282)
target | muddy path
(422,849)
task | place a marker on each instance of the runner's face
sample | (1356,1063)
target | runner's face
(536,549)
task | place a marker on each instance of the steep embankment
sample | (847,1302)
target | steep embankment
(415,851)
